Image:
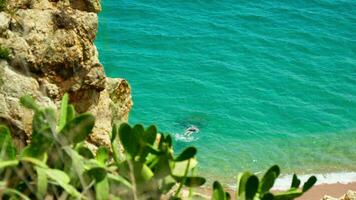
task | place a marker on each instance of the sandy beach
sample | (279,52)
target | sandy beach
(334,190)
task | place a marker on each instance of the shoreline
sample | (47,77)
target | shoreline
(317,192)
(283,181)
(330,184)
(344,178)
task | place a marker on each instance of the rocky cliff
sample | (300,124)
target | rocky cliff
(51,53)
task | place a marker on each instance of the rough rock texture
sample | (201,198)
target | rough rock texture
(52,52)
(350,195)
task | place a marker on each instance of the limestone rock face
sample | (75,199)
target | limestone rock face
(53,52)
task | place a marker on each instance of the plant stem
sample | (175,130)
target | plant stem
(181,183)
(191,189)
(132,176)
(115,152)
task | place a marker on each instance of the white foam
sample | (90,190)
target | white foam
(185,138)
(284,182)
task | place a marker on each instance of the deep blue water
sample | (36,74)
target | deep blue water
(265,81)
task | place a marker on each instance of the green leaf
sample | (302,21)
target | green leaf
(151,149)
(227,196)
(267,196)
(162,168)
(40,144)
(114,133)
(102,155)
(129,140)
(77,167)
(310,182)
(12,193)
(138,131)
(29,102)
(7,147)
(187,154)
(269,178)
(169,140)
(95,169)
(97,173)
(77,160)
(84,151)
(241,185)
(190,181)
(119,179)
(39,122)
(295,182)
(294,193)
(41,182)
(62,180)
(194,181)
(57,175)
(146,140)
(151,134)
(115,140)
(50,118)
(251,187)
(43,127)
(63,111)
(33,161)
(102,189)
(77,129)
(218,191)
(146,173)
(288,195)
(8,163)
(70,112)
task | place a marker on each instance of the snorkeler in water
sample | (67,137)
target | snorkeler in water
(190,130)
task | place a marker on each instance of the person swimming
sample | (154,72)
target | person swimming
(190,130)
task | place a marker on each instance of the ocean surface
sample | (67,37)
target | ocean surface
(265,82)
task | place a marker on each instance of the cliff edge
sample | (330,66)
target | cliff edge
(52,51)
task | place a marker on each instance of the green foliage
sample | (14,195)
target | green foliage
(141,163)
(63,112)
(2,6)
(219,193)
(57,163)
(77,129)
(8,150)
(150,166)
(4,52)
(249,187)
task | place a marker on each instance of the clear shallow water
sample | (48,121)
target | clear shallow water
(265,81)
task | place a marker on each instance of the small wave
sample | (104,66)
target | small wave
(284,182)
(185,138)
(328,178)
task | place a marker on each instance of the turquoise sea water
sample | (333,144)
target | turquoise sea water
(265,81)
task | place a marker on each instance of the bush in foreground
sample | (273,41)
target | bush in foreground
(58,165)
(4,52)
